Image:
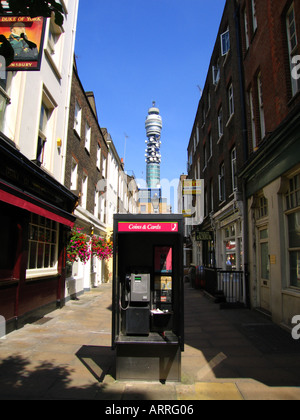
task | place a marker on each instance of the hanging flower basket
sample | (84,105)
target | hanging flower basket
(78,248)
(101,248)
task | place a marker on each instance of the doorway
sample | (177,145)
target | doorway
(264,270)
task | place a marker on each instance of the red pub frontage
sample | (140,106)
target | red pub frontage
(36,218)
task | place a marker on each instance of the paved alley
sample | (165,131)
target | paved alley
(229,355)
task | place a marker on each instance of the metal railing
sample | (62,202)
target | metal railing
(231,284)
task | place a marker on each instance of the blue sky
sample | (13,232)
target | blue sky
(133,52)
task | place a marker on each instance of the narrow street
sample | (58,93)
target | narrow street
(229,354)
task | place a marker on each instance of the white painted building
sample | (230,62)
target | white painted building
(37,109)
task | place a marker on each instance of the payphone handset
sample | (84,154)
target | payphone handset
(137,288)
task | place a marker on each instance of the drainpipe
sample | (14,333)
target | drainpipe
(245,149)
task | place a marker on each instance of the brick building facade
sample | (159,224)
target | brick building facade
(270,42)
(216,152)
(251,168)
(86,166)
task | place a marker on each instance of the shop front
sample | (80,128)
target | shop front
(36,216)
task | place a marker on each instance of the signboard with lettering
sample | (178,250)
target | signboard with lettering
(142,227)
(22,40)
(204,236)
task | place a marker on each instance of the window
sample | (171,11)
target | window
(210,143)
(261,107)
(254,18)
(293,196)
(54,46)
(216,74)
(74,175)
(294,248)
(252,116)
(230,101)
(102,204)
(293,216)
(208,101)
(292,48)
(220,122)
(77,118)
(225,42)
(42,137)
(233,170)
(246,30)
(97,199)
(98,163)
(43,247)
(205,156)
(197,134)
(190,162)
(84,190)
(222,195)
(262,207)
(104,167)
(87,143)
(211,195)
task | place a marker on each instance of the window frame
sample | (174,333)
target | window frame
(77,118)
(293,50)
(225,42)
(37,222)
(292,206)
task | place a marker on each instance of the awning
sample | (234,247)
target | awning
(32,205)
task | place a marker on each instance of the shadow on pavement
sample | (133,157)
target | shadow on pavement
(46,381)
(237,343)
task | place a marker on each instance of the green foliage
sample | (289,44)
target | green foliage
(34,8)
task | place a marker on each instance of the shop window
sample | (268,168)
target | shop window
(42,247)
(293,220)
(294,248)
(293,195)
(230,247)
